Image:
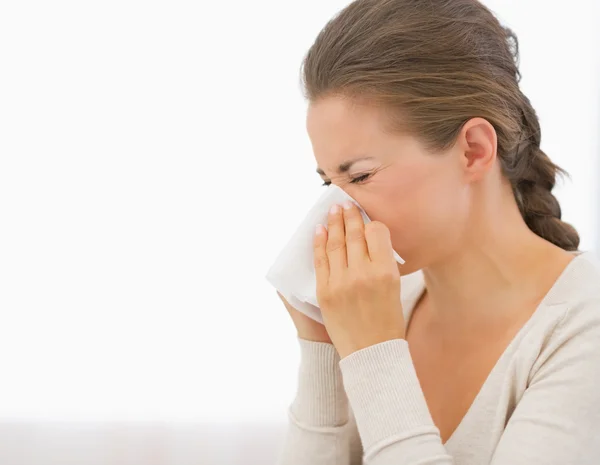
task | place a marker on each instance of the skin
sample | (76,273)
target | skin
(451,214)
(356,274)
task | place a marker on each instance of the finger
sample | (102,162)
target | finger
(379,243)
(336,241)
(356,245)
(321,261)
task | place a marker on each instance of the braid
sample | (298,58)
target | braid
(533,177)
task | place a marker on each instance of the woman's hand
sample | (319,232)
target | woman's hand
(358,282)
(306,327)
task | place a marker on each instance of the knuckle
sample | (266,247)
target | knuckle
(355,234)
(361,282)
(324,298)
(338,288)
(335,244)
(388,276)
(320,261)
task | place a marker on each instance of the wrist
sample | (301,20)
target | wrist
(348,349)
(314,333)
(314,338)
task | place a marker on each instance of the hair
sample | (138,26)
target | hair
(433,65)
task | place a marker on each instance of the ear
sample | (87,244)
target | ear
(478,144)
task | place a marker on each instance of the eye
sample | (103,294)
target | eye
(361,178)
(356,180)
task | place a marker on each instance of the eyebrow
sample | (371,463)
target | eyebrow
(344,167)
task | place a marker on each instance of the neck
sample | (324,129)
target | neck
(501,267)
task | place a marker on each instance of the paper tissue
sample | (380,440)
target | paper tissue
(293,272)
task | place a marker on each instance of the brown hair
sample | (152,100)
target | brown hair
(434,65)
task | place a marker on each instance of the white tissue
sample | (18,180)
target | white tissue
(293,272)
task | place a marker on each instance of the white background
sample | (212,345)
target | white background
(153,161)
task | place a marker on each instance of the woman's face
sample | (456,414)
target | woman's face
(423,198)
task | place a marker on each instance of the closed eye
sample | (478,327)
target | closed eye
(356,180)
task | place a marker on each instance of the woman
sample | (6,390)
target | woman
(493,353)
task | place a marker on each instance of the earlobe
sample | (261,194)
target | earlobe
(479,143)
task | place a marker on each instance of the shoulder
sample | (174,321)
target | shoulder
(578,291)
(574,337)
(556,418)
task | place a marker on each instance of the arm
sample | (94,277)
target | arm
(321,430)
(392,416)
(556,422)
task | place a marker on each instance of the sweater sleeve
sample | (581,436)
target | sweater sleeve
(321,429)
(391,413)
(556,422)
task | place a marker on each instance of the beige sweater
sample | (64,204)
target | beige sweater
(540,405)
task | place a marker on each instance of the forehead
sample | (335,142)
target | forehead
(339,128)
(342,131)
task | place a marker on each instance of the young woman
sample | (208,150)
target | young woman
(492,352)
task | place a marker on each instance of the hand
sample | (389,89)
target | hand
(306,327)
(358,282)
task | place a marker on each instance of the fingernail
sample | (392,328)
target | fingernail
(319,229)
(347,205)
(334,209)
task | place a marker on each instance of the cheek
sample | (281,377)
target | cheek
(395,200)
(423,205)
